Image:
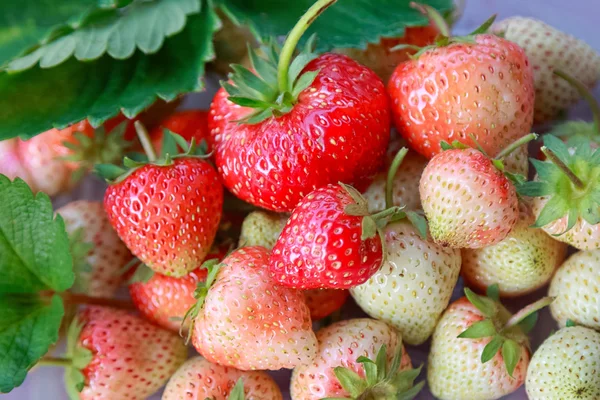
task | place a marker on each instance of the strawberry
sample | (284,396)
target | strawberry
(323,302)
(115,355)
(244,319)
(521,263)
(200,379)
(477,88)
(360,359)
(189,124)
(382,58)
(164,300)
(565,366)
(547,49)
(467,199)
(98,253)
(405,182)
(567,193)
(478,351)
(261,228)
(282,133)
(576,289)
(166,211)
(330,241)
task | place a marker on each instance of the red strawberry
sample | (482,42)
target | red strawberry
(116,355)
(330,241)
(164,300)
(200,379)
(189,124)
(167,212)
(324,302)
(325,121)
(245,320)
(459,90)
(98,253)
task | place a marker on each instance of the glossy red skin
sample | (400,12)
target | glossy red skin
(168,215)
(164,300)
(337,131)
(452,92)
(190,124)
(321,246)
(324,302)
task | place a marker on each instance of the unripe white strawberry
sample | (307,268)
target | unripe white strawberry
(262,228)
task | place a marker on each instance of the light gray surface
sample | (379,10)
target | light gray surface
(578,17)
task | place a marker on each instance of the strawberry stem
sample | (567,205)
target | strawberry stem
(389,184)
(77,298)
(292,40)
(435,17)
(585,93)
(145,140)
(55,362)
(563,167)
(516,144)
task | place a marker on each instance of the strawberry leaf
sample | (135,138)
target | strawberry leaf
(528,323)
(493,292)
(511,353)
(28,327)
(479,329)
(492,348)
(34,246)
(237,393)
(100,89)
(363,23)
(484,304)
(350,381)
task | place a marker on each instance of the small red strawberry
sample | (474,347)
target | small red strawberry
(473,88)
(164,300)
(284,132)
(469,200)
(330,241)
(548,49)
(478,350)
(323,302)
(189,124)
(244,319)
(199,379)
(115,355)
(359,359)
(98,253)
(166,211)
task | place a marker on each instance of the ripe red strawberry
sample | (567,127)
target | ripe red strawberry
(164,300)
(459,90)
(549,49)
(116,355)
(324,120)
(189,124)
(340,370)
(98,253)
(330,241)
(167,211)
(200,379)
(245,320)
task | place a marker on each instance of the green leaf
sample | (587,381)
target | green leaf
(558,147)
(237,393)
(28,327)
(142,274)
(169,145)
(369,228)
(381,362)
(479,329)
(34,246)
(491,349)
(493,292)
(511,353)
(143,26)
(554,209)
(570,323)
(370,368)
(363,22)
(81,267)
(419,222)
(534,189)
(486,305)
(411,393)
(80,357)
(350,381)
(528,323)
(100,89)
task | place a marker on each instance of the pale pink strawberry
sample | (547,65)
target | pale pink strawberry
(468,201)
(549,49)
(11,164)
(341,345)
(248,321)
(199,379)
(98,254)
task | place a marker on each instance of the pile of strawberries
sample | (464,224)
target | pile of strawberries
(342,206)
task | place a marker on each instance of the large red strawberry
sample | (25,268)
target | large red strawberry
(330,241)
(115,355)
(478,87)
(245,320)
(166,211)
(279,135)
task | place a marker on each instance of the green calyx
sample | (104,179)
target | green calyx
(213,266)
(81,267)
(79,358)
(237,393)
(507,333)
(275,83)
(570,179)
(381,381)
(444,38)
(171,145)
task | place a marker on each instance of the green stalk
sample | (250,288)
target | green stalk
(389,184)
(292,40)
(55,362)
(563,167)
(516,144)
(435,17)
(585,93)
(145,140)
